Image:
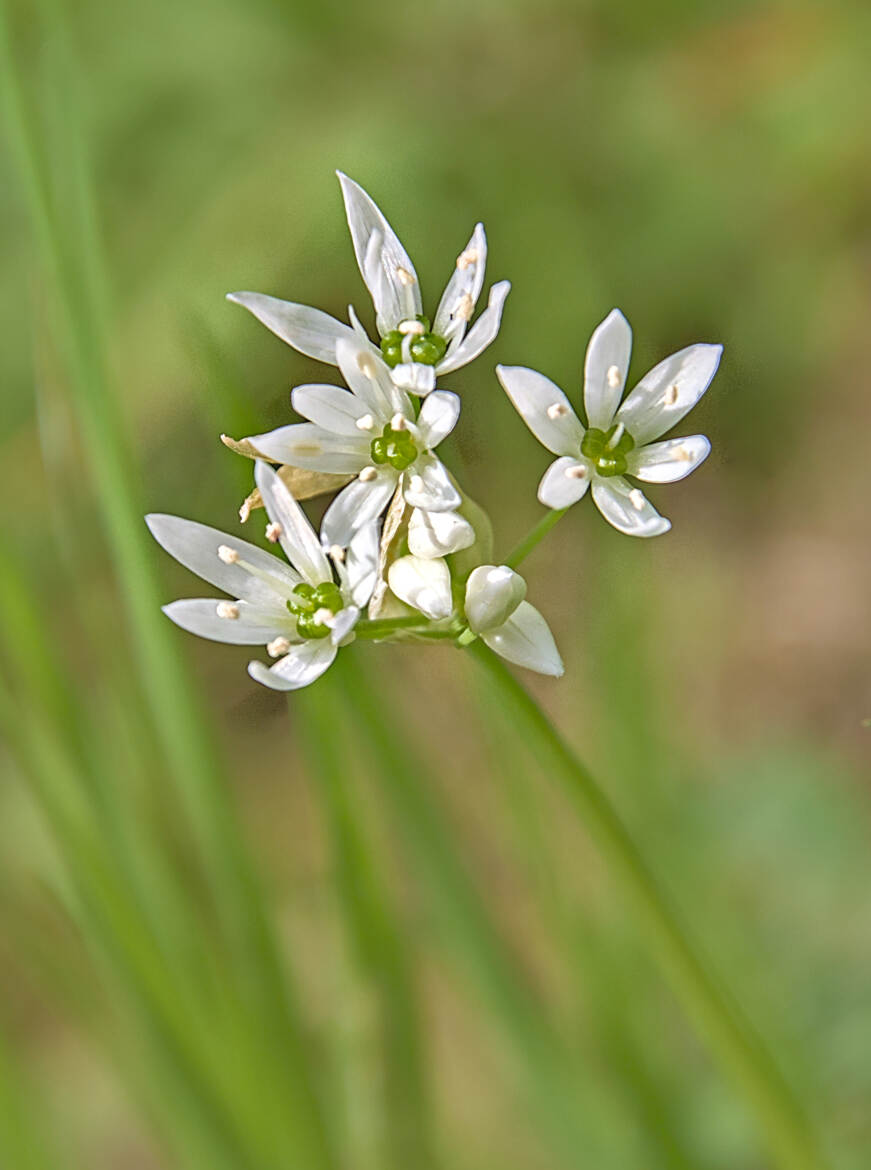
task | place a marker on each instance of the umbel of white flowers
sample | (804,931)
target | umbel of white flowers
(415,349)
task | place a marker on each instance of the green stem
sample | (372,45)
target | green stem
(521,551)
(716,1015)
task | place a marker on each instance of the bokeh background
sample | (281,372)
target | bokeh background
(436,906)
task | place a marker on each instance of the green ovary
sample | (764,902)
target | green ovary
(427,348)
(307,600)
(608,456)
(394,447)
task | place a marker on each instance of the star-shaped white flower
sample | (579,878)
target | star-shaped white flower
(618,440)
(416,350)
(300,612)
(373,432)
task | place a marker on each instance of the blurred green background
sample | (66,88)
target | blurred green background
(242,933)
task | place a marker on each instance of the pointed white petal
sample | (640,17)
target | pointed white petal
(493,593)
(427,485)
(438,417)
(415,377)
(669,391)
(298,539)
(668,461)
(482,333)
(605,369)
(196,547)
(361,562)
(255,625)
(384,264)
(299,667)
(422,584)
(330,407)
(526,640)
(627,508)
(358,504)
(562,484)
(370,379)
(438,534)
(357,326)
(464,287)
(310,446)
(544,408)
(342,625)
(308,330)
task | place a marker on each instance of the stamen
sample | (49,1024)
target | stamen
(366,365)
(683,454)
(636,499)
(245,510)
(613,376)
(416,483)
(671,395)
(228,610)
(616,437)
(228,555)
(465,308)
(323,616)
(467,259)
(557,410)
(336,553)
(576,471)
(273,531)
(411,327)
(404,276)
(365,423)
(367,474)
(399,422)
(277,647)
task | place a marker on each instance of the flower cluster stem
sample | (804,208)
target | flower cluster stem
(717,1017)
(521,551)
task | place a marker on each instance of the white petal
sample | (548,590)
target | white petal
(427,485)
(482,333)
(438,534)
(310,446)
(544,408)
(342,625)
(381,258)
(493,593)
(255,625)
(196,547)
(369,377)
(560,486)
(299,667)
(298,539)
(308,330)
(422,584)
(668,461)
(669,391)
(361,562)
(627,508)
(358,504)
(438,417)
(330,407)
(415,377)
(526,640)
(464,287)
(605,369)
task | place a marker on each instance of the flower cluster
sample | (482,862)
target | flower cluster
(403,553)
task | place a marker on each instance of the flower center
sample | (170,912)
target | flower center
(607,450)
(307,603)
(394,447)
(424,346)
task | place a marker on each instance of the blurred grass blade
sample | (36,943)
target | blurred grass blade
(22,1138)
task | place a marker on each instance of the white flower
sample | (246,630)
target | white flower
(371,431)
(415,350)
(509,625)
(618,440)
(298,611)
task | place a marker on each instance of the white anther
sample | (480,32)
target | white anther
(323,616)
(468,258)
(465,308)
(404,276)
(671,395)
(636,499)
(277,647)
(228,610)
(366,365)
(336,553)
(273,531)
(557,410)
(399,422)
(613,376)
(411,327)
(226,554)
(245,510)
(365,423)
(367,474)
(576,471)
(416,483)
